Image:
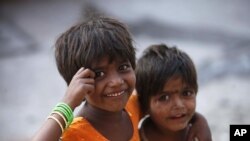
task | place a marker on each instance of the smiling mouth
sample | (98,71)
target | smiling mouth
(115,94)
(178,116)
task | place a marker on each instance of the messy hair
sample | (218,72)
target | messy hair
(158,64)
(89,41)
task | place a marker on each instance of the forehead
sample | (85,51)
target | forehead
(106,60)
(174,82)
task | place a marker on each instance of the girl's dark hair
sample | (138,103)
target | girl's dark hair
(89,41)
(159,64)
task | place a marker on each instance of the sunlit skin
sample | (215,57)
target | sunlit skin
(171,110)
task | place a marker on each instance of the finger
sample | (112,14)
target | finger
(89,81)
(89,89)
(87,73)
(86,84)
(80,70)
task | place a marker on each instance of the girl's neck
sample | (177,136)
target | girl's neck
(158,134)
(96,115)
(107,122)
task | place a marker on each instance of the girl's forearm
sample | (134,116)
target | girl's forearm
(50,130)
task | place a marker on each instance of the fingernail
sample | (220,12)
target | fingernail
(81,69)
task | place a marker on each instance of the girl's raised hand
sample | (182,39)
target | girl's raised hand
(81,84)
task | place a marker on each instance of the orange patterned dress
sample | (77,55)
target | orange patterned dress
(82,130)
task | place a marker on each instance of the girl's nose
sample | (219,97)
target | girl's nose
(178,103)
(115,80)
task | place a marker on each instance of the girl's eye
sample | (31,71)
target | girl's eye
(188,93)
(124,67)
(99,74)
(164,98)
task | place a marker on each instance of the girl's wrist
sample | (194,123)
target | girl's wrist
(62,114)
(69,103)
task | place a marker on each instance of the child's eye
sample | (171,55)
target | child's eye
(124,67)
(99,74)
(164,98)
(188,93)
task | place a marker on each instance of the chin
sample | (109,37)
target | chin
(179,127)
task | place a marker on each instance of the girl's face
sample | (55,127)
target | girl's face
(174,106)
(114,83)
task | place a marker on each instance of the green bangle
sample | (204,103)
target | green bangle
(66,111)
(69,110)
(63,111)
(66,107)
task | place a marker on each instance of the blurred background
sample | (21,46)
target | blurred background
(216,34)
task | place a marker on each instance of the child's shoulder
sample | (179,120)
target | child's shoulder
(133,100)
(81,129)
(134,96)
(132,106)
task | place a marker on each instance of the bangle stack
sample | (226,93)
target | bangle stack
(65,112)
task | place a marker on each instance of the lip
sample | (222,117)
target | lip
(178,116)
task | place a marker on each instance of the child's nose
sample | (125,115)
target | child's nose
(116,80)
(178,103)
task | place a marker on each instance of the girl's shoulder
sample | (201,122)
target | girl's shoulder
(133,106)
(81,129)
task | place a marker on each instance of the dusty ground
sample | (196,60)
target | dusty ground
(218,40)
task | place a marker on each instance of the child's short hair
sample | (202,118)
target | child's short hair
(158,64)
(89,41)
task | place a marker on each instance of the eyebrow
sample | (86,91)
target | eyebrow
(98,67)
(168,92)
(102,66)
(186,87)
(121,60)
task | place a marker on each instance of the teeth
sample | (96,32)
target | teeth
(115,94)
(179,115)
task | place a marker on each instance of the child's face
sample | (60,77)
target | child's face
(114,83)
(174,106)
